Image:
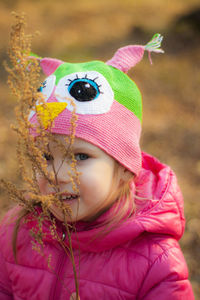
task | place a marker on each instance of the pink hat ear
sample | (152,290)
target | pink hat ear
(127,57)
(49,65)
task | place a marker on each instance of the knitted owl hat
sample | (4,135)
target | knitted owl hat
(108,103)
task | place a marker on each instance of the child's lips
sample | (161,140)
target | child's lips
(69,197)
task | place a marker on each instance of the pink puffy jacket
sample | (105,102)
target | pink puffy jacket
(140,259)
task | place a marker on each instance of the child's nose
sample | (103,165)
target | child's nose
(61,171)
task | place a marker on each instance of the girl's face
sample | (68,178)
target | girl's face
(96,170)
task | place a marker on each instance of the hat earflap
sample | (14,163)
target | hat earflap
(127,57)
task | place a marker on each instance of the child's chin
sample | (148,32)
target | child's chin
(60,216)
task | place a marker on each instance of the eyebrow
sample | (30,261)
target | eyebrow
(84,147)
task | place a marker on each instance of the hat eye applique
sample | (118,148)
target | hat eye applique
(83,89)
(47,87)
(89,90)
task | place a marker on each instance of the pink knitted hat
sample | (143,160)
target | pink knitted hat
(108,103)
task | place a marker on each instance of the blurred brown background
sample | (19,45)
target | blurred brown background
(82,30)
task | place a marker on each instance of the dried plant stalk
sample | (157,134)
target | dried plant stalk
(23,80)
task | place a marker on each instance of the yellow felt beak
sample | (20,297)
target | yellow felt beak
(49,111)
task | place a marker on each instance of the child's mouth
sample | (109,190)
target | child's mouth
(68,197)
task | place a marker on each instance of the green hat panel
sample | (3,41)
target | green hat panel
(125,90)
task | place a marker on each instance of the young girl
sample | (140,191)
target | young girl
(125,218)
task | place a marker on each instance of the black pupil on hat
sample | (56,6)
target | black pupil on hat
(83,90)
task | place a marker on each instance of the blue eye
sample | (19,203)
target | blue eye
(84,89)
(81,156)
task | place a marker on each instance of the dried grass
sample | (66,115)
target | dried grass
(23,79)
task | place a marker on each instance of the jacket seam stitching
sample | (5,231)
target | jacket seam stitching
(105,284)
(133,251)
(157,258)
(25,266)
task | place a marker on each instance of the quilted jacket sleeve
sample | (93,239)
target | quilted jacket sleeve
(5,286)
(167,278)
